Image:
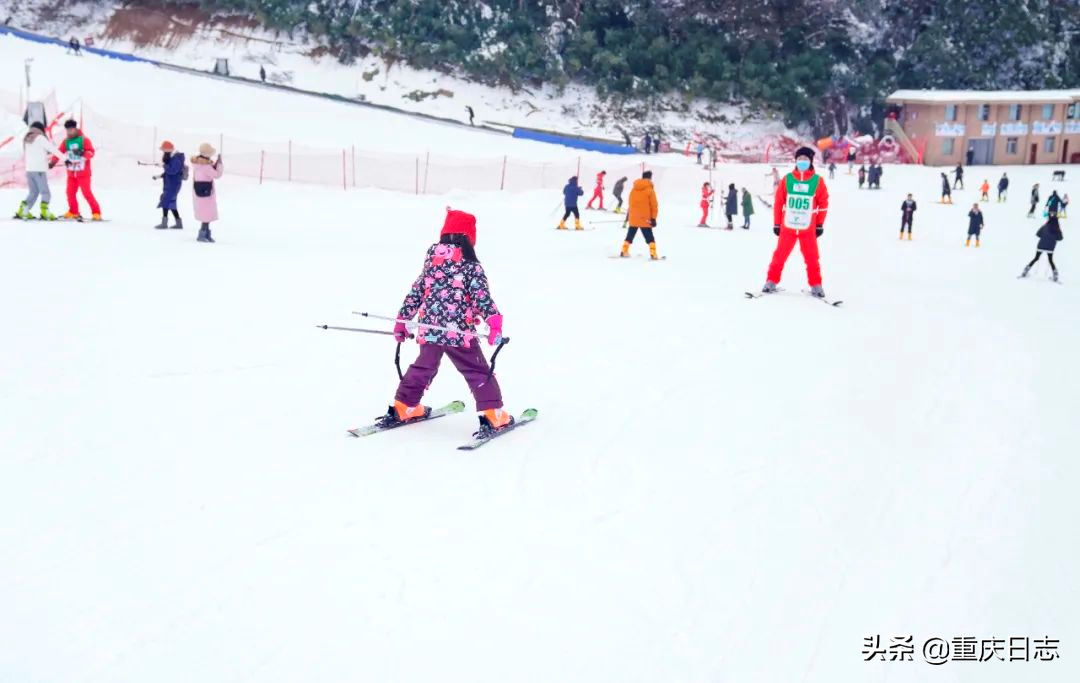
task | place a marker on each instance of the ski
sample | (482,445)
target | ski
(637,257)
(525,418)
(448,409)
(758,295)
(831,302)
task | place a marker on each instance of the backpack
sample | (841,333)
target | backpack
(187,169)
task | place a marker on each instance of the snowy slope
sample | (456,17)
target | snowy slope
(717,490)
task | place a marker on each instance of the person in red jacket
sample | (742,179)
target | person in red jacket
(598,193)
(706,200)
(799,209)
(77,151)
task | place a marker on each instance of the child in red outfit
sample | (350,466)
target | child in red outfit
(707,193)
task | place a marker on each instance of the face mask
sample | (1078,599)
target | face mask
(802,164)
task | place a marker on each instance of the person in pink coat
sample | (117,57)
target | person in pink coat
(205,171)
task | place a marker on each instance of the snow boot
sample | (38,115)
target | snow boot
(46,215)
(976,241)
(491,421)
(769,287)
(909,236)
(1054,277)
(618,209)
(96,217)
(72,216)
(562,225)
(625,253)
(652,251)
(577,224)
(203,234)
(967,242)
(164,224)
(1027,269)
(702,224)
(22,213)
(817,291)
(179,224)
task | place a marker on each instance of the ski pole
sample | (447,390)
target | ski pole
(412,324)
(494,357)
(147,163)
(358,329)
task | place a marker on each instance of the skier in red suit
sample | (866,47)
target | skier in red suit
(706,199)
(77,151)
(598,193)
(799,209)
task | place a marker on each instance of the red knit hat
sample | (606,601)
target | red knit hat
(460,223)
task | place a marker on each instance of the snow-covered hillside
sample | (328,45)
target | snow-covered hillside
(176,37)
(717,489)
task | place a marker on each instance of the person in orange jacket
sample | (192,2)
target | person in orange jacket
(641,215)
(985,189)
(707,193)
(78,151)
(598,192)
(799,210)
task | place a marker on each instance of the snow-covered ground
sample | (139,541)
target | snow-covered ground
(301,63)
(717,489)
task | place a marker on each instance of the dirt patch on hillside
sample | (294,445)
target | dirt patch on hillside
(170,25)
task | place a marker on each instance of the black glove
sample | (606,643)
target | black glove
(819,231)
(652,222)
(776,230)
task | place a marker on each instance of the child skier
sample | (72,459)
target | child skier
(571,191)
(1064,206)
(832,170)
(38,159)
(907,214)
(1003,187)
(946,191)
(1049,235)
(706,199)
(78,151)
(617,191)
(747,208)
(598,191)
(975,225)
(985,190)
(862,175)
(799,210)
(642,215)
(1034,200)
(172,177)
(451,292)
(204,174)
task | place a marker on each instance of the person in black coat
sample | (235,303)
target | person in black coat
(731,206)
(975,225)
(1034,199)
(648,143)
(946,191)
(907,214)
(1049,235)
(959,173)
(1003,187)
(862,176)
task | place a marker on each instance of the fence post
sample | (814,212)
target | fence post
(417,175)
(578,174)
(153,144)
(354,165)
(220,143)
(262,164)
(502,182)
(427,165)
(344,177)
(290,161)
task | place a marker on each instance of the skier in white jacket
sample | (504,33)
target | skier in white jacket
(39,159)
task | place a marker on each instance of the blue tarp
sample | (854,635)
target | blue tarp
(576,143)
(33,37)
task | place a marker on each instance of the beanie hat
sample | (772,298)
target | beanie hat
(70,123)
(805,152)
(647,175)
(460,223)
(38,125)
(206,150)
(167,146)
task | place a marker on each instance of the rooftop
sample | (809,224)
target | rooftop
(980,96)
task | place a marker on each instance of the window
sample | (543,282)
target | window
(1073,111)
(1010,145)
(947,145)
(984,112)
(950,112)
(1014,112)
(1048,112)
(1048,146)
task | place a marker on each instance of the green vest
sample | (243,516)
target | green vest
(799,207)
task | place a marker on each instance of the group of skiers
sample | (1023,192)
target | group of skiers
(77,152)
(731,205)
(871,176)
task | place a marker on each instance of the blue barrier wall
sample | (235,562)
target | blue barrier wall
(33,37)
(576,143)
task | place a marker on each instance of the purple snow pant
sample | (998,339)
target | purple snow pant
(469,362)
